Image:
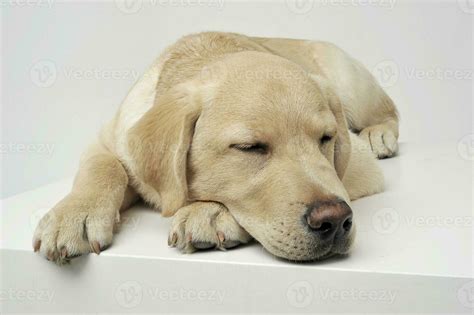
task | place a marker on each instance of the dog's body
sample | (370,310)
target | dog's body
(216,133)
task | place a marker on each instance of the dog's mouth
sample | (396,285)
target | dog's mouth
(307,249)
(307,256)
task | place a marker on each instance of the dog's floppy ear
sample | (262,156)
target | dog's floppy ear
(342,148)
(159,143)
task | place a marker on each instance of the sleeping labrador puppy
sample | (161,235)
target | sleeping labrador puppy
(237,138)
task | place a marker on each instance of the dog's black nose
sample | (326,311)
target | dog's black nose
(329,218)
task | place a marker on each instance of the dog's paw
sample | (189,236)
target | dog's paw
(382,140)
(75,226)
(204,225)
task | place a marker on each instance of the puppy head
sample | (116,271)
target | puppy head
(268,142)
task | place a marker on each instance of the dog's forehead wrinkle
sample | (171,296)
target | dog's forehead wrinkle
(292,95)
(239,131)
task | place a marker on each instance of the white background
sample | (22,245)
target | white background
(67,66)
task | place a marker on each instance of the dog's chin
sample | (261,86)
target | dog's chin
(319,256)
(316,253)
(306,256)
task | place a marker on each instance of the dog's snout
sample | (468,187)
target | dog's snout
(327,219)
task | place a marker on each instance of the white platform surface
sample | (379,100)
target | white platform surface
(413,253)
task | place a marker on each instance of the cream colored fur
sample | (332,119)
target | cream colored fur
(179,139)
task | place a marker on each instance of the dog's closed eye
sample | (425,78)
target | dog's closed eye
(325,139)
(258,147)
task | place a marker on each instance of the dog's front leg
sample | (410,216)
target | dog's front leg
(83,221)
(204,225)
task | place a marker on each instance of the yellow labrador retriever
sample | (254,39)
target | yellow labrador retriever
(237,138)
